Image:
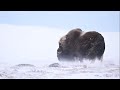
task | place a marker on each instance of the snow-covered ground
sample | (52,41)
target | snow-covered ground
(30,52)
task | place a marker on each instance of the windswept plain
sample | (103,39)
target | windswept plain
(27,52)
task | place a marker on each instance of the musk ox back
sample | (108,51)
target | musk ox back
(80,45)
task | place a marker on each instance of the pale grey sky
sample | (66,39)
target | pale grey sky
(86,20)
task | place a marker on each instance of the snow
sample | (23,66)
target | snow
(30,52)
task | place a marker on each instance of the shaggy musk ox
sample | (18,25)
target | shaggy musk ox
(79,45)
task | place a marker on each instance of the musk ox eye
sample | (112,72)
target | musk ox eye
(67,39)
(66,36)
(60,44)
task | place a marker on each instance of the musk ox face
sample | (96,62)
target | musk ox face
(76,44)
(66,48)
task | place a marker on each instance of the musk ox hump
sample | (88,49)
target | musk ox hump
(73,34)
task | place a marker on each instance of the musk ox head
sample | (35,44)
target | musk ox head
(81,45)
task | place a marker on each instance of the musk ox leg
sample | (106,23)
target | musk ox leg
(100,58)
(77,59)
(81,60)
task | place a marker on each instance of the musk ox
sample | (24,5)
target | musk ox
(77,44)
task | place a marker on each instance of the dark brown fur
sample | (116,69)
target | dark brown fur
(89,46)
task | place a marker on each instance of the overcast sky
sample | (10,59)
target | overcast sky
(86,20)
